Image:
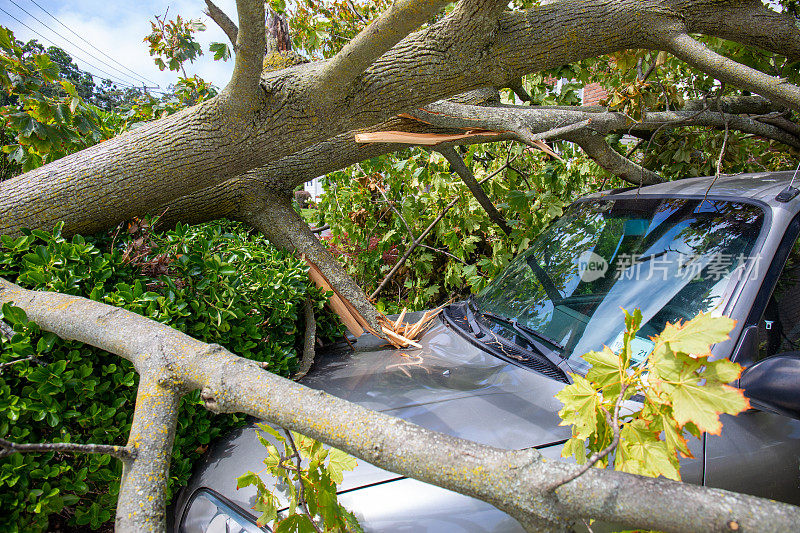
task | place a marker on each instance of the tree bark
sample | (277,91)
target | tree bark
(246,128)
(516,481)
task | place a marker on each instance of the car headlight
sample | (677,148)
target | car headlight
(206,513)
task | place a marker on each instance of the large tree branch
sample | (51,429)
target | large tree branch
(223,21)
(729,71)
(243,93)
(402,17)
(750,22)
(143,488)
(514,481)
(211,143)
(271,213)
(309,341)
(457,165)
(596,147)
(225,200)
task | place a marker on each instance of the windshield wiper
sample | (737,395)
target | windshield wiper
(523,329)
(528,334)
(473,324)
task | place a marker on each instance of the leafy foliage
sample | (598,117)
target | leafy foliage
(683,393)
(215,282)
(172,44)
(45,115)
(466,249)
(309,489)
(50,108)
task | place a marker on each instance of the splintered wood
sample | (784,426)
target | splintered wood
(401,334)
(398,333)
(352,319)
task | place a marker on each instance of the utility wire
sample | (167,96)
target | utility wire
(93,46)
(108,76)
(78,47)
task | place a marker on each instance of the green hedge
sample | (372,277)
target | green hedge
(215,282)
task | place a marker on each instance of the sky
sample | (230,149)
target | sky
(117,29)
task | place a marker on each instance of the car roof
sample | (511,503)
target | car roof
(762,186)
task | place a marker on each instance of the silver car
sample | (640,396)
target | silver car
(489,370)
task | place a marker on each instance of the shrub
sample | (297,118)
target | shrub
(215,282)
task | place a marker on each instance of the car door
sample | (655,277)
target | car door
(758,451)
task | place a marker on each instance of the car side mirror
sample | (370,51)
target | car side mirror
(773,384)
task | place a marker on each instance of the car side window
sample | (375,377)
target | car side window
(779,327)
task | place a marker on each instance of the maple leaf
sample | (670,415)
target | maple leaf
(606,370)
(640,452)
(697,335)
(581,405)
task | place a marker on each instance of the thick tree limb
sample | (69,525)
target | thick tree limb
(243,92)
(402,17)
(598,149)
(309,341)
(457,165)
(225,200)
(735,105)
(143,488)
(514,481)
(223,21)
(271,213)
(120,452)
(729,71)
(211,143)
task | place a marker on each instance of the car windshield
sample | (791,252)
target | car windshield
(671,258)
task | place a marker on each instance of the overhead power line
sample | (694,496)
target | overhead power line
(136,82)
(93,46)
(107,75)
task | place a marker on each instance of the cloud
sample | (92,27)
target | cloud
(118,29)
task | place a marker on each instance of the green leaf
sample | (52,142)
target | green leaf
(295,523)
(339,461)
(641,452)
(6,38)
(702,404)
(581,405)
(267,505)
(606,370)
(250,478)
(722,371)
(14,315)
(221,51)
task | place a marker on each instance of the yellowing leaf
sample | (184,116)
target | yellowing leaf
(640,452)
(673,436)
(581,404)
(339,462)
(605,369)
(722,370)
(702,404)
(697,335)
(575,447)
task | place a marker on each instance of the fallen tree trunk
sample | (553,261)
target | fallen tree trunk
(172,364)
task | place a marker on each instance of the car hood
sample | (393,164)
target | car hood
(449,385)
